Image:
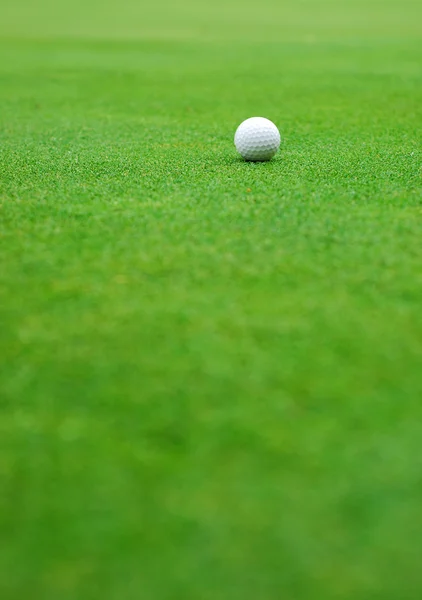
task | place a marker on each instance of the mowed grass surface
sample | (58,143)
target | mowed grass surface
(211,371)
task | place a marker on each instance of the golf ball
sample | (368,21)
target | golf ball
(257,139)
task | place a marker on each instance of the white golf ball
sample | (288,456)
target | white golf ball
(257,139)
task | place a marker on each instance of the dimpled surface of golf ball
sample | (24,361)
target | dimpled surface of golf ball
(257,139)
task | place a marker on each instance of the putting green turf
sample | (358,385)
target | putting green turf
(211,371)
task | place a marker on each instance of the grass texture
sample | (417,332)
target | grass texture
(211,371)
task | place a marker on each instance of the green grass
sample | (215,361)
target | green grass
(211,371)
